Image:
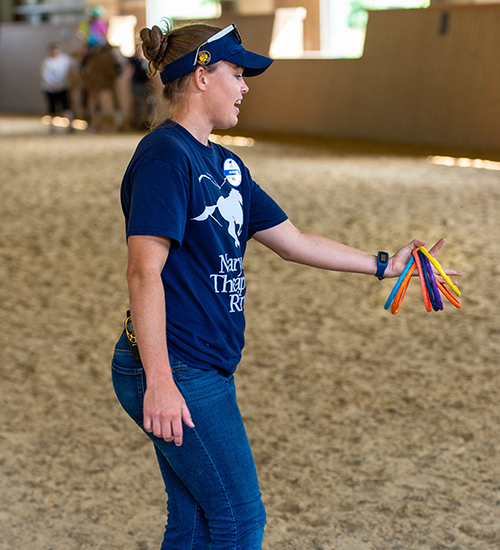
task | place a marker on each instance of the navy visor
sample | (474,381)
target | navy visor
(225,45)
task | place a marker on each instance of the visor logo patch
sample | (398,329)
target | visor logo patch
(204,57)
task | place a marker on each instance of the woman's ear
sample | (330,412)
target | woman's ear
(200,78)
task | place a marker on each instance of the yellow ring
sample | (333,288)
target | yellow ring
(437,265)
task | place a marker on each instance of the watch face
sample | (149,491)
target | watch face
(384,257)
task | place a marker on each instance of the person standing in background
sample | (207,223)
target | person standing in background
(55,76)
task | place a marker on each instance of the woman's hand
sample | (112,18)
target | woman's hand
(398,262)
(165,411)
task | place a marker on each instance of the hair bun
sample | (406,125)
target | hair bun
(154,46)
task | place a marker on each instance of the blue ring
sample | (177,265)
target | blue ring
(398,283)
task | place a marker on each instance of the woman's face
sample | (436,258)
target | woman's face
(225,90)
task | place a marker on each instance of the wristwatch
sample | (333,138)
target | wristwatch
(382,263)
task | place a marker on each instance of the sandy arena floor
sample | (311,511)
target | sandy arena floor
(370,431)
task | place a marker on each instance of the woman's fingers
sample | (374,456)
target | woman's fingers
(437,247)
(434,250)
(402,257)
(177,432)
(169,429)
(186,417)
(437,270)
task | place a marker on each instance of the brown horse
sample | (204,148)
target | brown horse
(106,81)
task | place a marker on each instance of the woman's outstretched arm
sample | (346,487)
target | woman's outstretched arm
(317,251)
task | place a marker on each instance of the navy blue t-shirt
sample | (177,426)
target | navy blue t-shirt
(204,199)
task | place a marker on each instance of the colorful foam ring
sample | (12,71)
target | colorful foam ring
(427,300)
(448,294)
(430,290)
(398,300)
(399,282)
(437,265)
(432,280)
(431,287)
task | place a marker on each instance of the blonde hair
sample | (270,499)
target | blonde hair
(161,48)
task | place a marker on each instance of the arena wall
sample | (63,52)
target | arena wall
(427,76)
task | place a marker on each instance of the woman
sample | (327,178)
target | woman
(190,207)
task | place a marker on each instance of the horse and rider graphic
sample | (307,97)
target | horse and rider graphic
(229,209)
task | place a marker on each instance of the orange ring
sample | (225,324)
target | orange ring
(448,294)
(405,283)
(396,304)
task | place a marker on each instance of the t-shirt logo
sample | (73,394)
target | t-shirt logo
(228,209)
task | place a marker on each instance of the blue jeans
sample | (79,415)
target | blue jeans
(214,502)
